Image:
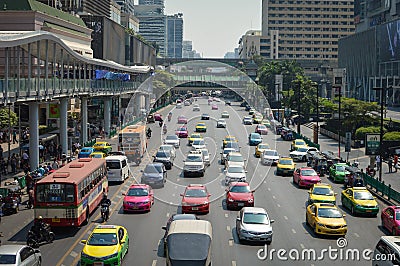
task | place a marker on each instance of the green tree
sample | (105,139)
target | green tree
(392,136)
(6,119)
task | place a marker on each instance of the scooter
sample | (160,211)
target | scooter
(105,212)
(165,130)
(34,240)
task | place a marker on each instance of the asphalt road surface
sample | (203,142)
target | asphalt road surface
(284,202)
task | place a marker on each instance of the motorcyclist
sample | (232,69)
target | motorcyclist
(148,132)
(105,202)
(165,128)
(161,123)
(39,228)
(169,116)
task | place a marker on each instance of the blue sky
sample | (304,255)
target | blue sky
(215,26)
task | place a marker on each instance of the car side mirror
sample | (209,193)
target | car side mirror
(164,228)
(244,159)
(253,191)
(309,192)
(335,193)
(181,195)
(37,251)
(122,242)
(245,171)
(220,153)
(272,221)
(209,195)
(123,194)
(83,241)
(141,171)
(238,219)
(344,215)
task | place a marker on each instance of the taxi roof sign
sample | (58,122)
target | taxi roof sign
(106,226)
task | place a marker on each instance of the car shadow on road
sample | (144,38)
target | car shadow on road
(384,230)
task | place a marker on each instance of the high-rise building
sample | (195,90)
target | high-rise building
(306,30)
(174,36)
(83,7)
(127,6)
(152,22)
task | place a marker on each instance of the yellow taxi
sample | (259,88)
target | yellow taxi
(227,139)
(321,193)
(107,245)
(326,219)
(298,143)
(359,201)
(98,154)
(102,146)
(257,119)
(285,166)
(201,127)
(266,123)
(260,149)
(193,137)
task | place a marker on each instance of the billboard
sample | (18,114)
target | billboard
(390,41)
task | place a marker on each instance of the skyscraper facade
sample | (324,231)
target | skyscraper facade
(174,36)
(307,29)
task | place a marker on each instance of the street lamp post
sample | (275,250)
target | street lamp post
(298,107)
(382,89)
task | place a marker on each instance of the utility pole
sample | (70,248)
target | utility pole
(298,107)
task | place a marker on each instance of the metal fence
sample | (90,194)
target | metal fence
(381,188)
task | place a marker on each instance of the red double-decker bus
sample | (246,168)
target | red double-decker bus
(68,196)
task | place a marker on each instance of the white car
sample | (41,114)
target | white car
(253,224)
(247,120)
(20,255)
(179,106)
(172,140)
(206,156)
(194,164)
(234,158)
(169,148)
(186,103)
(301,154)
(198,144)
(269,157)
(234,173)
(221,123)
(196,107)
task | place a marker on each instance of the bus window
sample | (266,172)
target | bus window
(55,193)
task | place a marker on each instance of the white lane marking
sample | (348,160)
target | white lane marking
(302,246)
(278,205)
(357,235)
(159,242)
(293,231)
(228,228)
(178,179)
(167,214)
(73,254)
(226,215)
(154,263)
(269,189)
(173,195)
(285,217)
(233,263)
(273,197)
(176,187)
(118,196)
(265,182)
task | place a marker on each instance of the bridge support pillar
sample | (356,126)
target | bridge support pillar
(147,102)
(138,104)
(107,116)
(84,114)
(33,135)
(63,125)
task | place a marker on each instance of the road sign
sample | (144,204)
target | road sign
(372,143)
(347,146)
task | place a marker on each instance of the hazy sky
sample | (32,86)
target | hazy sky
(215,26)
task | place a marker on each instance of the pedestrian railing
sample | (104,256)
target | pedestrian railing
(381,188)
(90,143)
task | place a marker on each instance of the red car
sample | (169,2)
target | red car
(261,129)
(214,107)
(305,177)
(182,119)
(196,199)
(157,117)
(239,195)
(390,218)
(140,197)
(182,132)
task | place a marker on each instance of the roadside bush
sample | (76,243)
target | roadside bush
(392,136)
(361,131)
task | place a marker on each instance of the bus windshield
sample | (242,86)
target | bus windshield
(55,192)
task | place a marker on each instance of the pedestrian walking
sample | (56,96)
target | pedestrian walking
(395,162)
(13,164)
(14,134)
(55,165)
(378,160)
(390,164)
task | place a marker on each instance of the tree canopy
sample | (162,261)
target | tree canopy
(5,118)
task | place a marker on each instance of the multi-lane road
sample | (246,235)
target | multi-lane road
(284,201)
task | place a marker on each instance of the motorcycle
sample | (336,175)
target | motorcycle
(169,117)
(105,212)
(165,130)
(148,134)
(33,240)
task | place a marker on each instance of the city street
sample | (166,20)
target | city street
(283,200)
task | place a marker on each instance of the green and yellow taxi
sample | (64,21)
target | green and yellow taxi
(193,137)
(106,245)
(98,154)
(326,219)
(201,127)
(227,139)
(257,119)
(298,143)
(321,193)
(359,201)
(338,172)
(252,111)
(102,146)
(260,149)
(266,123)
(285,166)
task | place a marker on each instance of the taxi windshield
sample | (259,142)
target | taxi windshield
(363,195)
(103,239)
(271,153)
(236,158)
(302,149)
(193,158)
(235,169)
(329,213)
(195,193)
(300,142)
(255,218)
(240,189)
(323,191)
(286,162)
(340,168)
(263,146)
(308,172)
(137,192)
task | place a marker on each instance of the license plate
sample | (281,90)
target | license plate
(98,263)
(135,208)
(55,220)
(256,238)
(368,210)
(195,208)
(240,204)
(110,173)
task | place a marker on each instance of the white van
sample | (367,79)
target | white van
(117,168)
(387,251)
